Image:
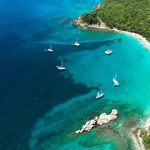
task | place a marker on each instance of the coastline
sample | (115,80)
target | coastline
(103,27)
(135,136)
(137,140)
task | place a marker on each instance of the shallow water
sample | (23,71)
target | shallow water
(54,131)
(40,107)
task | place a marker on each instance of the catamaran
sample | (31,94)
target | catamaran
(50,49)
(116,83)
(99,95)
(61,67)
(108,52)
(76,43)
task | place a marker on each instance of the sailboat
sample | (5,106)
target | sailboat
(76,43)
(99,95)
(50,49)
(116,83)
(108,52)
(61,67)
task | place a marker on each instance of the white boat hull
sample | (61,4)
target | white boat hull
(108,52)
(50,50)
(76,44)
(116,83)
(100,96)
(60,68)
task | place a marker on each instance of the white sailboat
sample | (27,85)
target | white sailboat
(50,49)
(99,95)
(76,43)
(61,67)
(108,52)
(116,83)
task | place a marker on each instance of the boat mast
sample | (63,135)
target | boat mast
(50,46)
(61,62)
(116,76)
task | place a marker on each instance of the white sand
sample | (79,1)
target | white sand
(136,136)
(147,124)
(139,37)
(138,140)
(103,27)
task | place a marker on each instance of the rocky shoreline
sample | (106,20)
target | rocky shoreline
(103,27)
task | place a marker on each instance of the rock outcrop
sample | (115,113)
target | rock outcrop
(98,120)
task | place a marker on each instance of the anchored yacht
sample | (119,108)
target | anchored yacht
(116,83)
(61,67)
(99,95)
(50,49)
(108,52)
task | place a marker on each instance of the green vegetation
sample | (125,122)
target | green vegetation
(128,15)
(90,18)
(145,135)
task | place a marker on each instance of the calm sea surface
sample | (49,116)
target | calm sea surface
(39,106)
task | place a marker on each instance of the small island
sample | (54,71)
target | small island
(98,120)
(126,16)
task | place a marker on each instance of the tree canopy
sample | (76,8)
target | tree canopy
(128,15)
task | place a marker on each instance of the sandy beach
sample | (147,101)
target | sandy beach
(137,140)
(140,38)
(147,124)
(103,27)
(136,135)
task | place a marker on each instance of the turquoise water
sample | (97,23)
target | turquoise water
(130,61)
(51,105)
(88,65)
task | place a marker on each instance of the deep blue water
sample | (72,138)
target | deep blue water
(31,88)
(29,82)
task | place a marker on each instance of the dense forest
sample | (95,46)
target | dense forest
(129,15)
